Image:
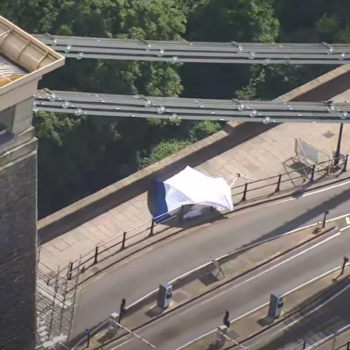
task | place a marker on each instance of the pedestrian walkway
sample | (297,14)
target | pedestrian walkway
(257,158)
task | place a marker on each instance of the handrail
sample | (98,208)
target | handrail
(333,338)
(278,181)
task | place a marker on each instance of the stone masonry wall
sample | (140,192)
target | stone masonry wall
(18,254)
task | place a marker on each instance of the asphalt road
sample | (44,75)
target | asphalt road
(143,273)
(241,296)
(326,319)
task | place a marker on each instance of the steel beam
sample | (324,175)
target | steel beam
(174,108)
(199,52)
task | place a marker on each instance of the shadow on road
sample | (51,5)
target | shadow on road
(315,325)
(315,213)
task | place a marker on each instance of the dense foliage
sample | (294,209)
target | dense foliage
(79,155)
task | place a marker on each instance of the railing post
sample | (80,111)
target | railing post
(181,214)
(122,310)
(345,164)
(70,269)
(345,261)
(312,178)
(244,198)
(324,218)
(304,345)
(96,255)
(348,345)
(152,228)
(278,188)
(124,240)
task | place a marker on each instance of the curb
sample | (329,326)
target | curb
(264,305)
(178,279)
(240,206)
(289,193)
(329,337)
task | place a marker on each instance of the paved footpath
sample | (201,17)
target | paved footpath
(258,158)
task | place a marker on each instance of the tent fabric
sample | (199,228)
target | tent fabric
(190,187)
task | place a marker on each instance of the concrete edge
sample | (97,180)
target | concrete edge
(95,199)
(324,340)
(204,266)
(185,275)
(241,206)
(264,305)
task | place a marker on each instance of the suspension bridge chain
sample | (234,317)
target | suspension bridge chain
(175,108)
(199,52)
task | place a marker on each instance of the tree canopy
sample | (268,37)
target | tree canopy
(79,155)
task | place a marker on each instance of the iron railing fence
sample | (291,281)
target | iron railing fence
(340,340)
(250,191)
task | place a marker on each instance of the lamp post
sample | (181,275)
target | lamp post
(337,152)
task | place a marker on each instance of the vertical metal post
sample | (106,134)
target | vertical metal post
(324,218)
(348,345)
(122,310)
(87,332)
(124,240)
(226,320)
(312,178)
(96,255)
(337,152)
(345,163)
(244,198)
(70,269)
(333,342)
(181,214)
(304,345)
(345,261)
(54,301)
(152,228)
(278,188)
(73,300)
(64,301)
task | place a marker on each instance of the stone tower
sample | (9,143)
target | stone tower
(23,62)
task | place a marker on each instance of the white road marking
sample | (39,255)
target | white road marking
(324,274)
(252,343)
(189,309)
(217,295)
(307,194)
(347,219)
(344,228)
(176,279)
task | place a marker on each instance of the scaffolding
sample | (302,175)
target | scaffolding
(56,299)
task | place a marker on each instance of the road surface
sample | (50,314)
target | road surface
(326,320)
(241,296)
(143,273)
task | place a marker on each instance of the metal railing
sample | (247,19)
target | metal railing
(336,341)
(250,191)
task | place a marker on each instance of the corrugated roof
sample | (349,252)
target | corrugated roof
(23,58)
(9,71)
(8,68)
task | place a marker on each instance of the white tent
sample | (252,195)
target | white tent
(191,187)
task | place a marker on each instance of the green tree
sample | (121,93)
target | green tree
(163,150)
(78,155)
(226,21)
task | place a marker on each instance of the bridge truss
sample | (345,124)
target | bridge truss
(198,52)
(174,108)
